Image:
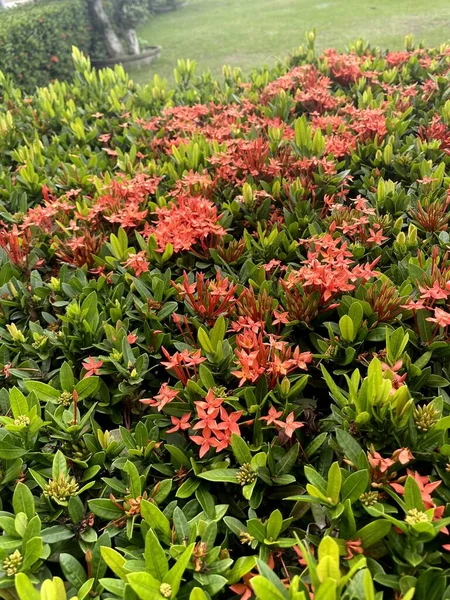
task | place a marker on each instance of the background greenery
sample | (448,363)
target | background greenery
(36,41)
(254,32)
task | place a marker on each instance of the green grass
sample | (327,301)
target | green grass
(249,33)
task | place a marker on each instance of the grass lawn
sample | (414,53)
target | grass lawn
(249,33)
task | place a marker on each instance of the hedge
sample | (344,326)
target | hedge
(36,40)
(224,332)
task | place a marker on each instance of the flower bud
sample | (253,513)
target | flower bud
(15,333)
(165,589)
(247,194)
(12,563)
(387,154)
(409,42)
(401,239)
(412,235)
(55,284)
(397,227)
(285,386)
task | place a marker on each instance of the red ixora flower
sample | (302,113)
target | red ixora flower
(181,362)
(180,424)
(206,441)
(426,487)
(131,338)
(164,396)
(92,366)
(354,547)
(441,318)
(138,262)
(289,426)
(243,589)
(208,299)
(273,415)
(191,220)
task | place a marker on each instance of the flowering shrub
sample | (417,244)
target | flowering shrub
(36,41)
(224,317)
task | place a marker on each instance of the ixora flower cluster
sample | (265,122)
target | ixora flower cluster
(224,323)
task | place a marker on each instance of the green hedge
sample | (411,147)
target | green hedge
(36,40)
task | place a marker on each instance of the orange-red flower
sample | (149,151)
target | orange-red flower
(180,424)
(164,397)
(92,366)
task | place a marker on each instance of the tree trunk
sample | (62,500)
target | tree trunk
(112,41)
(132,41)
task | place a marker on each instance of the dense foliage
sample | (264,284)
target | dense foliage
(224,332)
(36,41)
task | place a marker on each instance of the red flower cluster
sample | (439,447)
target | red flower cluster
(208,299)
(215,423)
(192,220)
(274,358)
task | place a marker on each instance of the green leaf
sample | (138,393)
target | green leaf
(369,589)
(285,464)
(206,376)
(240,449)
(328,563)
(145,586)
(412,495)
(220,475)
(133,478)
(76,509)
(350,446)
(373,532)
(59,465)
(265,589)
(334,482)
(104,508)
(242,566)
(23,500)
(87,387)
(198,594)
(206,500)
(56,533)
(204,341)
(178,455)
(355,485)
(115,561)
(33,551)
(348,332)
(181,525)
(174,576)
(396,343)
(437,381)
(316,479)
(85,589)
(44,392)
(73,570)
(218,332)
(155,558)
(115,586)
(66,377)
(187,488)
(334,389)
(155,518)
(18,403)
(274,525)
(10,452)
(98,565)
(327,590)
(25,589)
(314,446)
(356,313)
